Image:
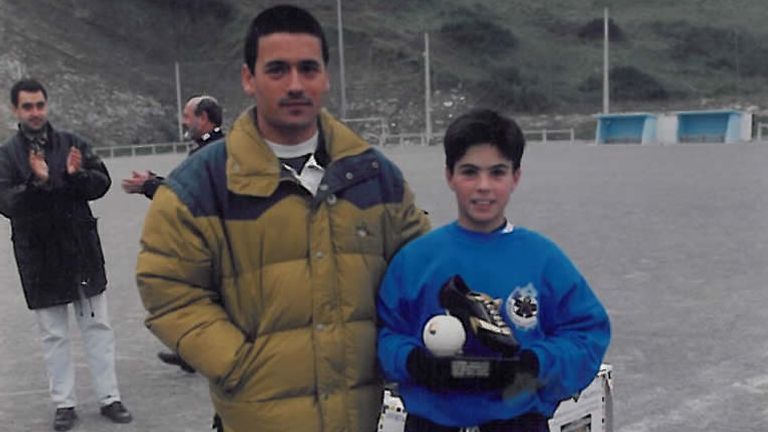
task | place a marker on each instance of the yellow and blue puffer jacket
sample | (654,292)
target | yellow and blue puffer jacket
(269,291)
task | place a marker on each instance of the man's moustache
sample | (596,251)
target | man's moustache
(294,101)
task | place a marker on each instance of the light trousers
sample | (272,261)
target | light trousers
(99,344)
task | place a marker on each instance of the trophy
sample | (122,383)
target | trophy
(468,312)
(480,314)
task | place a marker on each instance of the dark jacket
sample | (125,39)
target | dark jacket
(55,241)
(150,186)
(207,138)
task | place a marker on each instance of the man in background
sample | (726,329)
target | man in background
(201,118)
(47,177)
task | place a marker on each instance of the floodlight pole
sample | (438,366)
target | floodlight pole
(178,101)
(606,77)
(341,61)
(427,92)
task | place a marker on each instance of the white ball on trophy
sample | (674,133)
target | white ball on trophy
(444,335)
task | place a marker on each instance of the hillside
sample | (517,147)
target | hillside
(110,65)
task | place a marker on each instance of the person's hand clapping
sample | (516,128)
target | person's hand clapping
(74,160)
(38,165)
(135,183)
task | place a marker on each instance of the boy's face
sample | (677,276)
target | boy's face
(483,179)
(288,83)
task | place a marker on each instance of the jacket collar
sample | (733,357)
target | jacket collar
(39,139)
(207,138)
(213,135)
(253,169)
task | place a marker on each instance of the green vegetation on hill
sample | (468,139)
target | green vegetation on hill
(110,65)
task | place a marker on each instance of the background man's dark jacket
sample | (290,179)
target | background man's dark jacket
(150,186)
(57,246)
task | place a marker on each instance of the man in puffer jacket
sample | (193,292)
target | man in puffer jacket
(261,256)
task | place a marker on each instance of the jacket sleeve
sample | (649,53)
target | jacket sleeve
(13,190)
(150,186)
(19,193)
(396,322)
(575,342)
(176,279)
(93,180)
(406,222)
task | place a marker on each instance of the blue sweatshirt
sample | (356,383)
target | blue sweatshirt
(569,331)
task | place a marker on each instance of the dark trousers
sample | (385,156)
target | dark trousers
(524,423)
(217,425)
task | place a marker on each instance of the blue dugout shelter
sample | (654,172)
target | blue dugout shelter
(625,128)
(719,126)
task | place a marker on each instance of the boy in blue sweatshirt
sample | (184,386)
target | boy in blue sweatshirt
(536,333)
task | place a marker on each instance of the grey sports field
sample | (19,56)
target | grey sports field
(674,239)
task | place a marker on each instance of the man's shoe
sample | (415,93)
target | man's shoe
(175,359)
(64,419)
(116,412)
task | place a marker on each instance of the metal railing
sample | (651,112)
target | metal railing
(403,139)
(548,134)
(540,135)
(142,149)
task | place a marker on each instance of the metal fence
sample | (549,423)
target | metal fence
(382,140)
(142,149)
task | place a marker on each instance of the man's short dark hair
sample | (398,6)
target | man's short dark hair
(211,108)
(281,19)
(483,126)
(28,85)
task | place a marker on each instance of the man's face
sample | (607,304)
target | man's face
(191,122)
(482,180)
(32,110)
(288,83)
